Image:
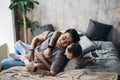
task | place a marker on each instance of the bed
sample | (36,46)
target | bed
(107,67)
(94,44)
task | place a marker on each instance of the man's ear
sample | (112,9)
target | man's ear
(72,55)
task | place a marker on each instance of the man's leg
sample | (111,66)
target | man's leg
(8,63)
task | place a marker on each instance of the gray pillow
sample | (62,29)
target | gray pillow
(97,31)
(86,44)
(41,29)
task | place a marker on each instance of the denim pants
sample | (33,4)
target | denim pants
(21,48)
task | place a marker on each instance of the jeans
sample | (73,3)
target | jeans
(8,63)
(21,48)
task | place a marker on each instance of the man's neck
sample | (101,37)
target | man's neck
(76,59)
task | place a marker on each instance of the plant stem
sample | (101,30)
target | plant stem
(25,28)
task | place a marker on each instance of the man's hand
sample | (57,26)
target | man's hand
(47,53)
(30,55)
(42,59)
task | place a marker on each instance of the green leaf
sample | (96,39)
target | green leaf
(35,23)
(22,6)
(36,2)
(31,5)
(12,5)
(19,6)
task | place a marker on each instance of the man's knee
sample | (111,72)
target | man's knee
(8,63)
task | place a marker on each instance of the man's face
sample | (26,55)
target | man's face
(68,54)
(64,40)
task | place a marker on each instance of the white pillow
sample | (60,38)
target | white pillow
(86,44)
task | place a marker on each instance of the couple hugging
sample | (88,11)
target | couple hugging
(48,53)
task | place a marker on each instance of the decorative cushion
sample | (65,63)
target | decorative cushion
(86,44)
(97,31)
(41,29)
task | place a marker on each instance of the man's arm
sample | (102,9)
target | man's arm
(45,72)
(56,67)
(36,40)
(53,40)
(42,59)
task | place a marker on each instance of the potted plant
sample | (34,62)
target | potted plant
(23,7)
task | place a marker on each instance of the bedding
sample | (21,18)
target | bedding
(106,58)
(107,67)
(20,73)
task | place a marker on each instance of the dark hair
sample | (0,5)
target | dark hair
(74,35)
(75,49)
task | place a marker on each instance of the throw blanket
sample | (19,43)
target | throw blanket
(20,73)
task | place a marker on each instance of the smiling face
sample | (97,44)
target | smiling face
(64,40)
(67,53)
(73,51)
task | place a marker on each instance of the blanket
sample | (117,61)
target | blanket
(21,73)
(107,58)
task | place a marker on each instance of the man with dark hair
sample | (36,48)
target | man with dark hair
(40,43)
(74,50)
(77,61)
(74,35)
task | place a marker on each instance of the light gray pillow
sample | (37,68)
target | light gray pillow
(86,44)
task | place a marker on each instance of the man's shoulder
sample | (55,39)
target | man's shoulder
(49,34)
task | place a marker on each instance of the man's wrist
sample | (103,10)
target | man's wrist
(49,46)
(31,50)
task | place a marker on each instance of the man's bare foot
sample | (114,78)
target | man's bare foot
(30,67)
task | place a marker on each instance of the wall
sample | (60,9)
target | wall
(65,14)
(6,25)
